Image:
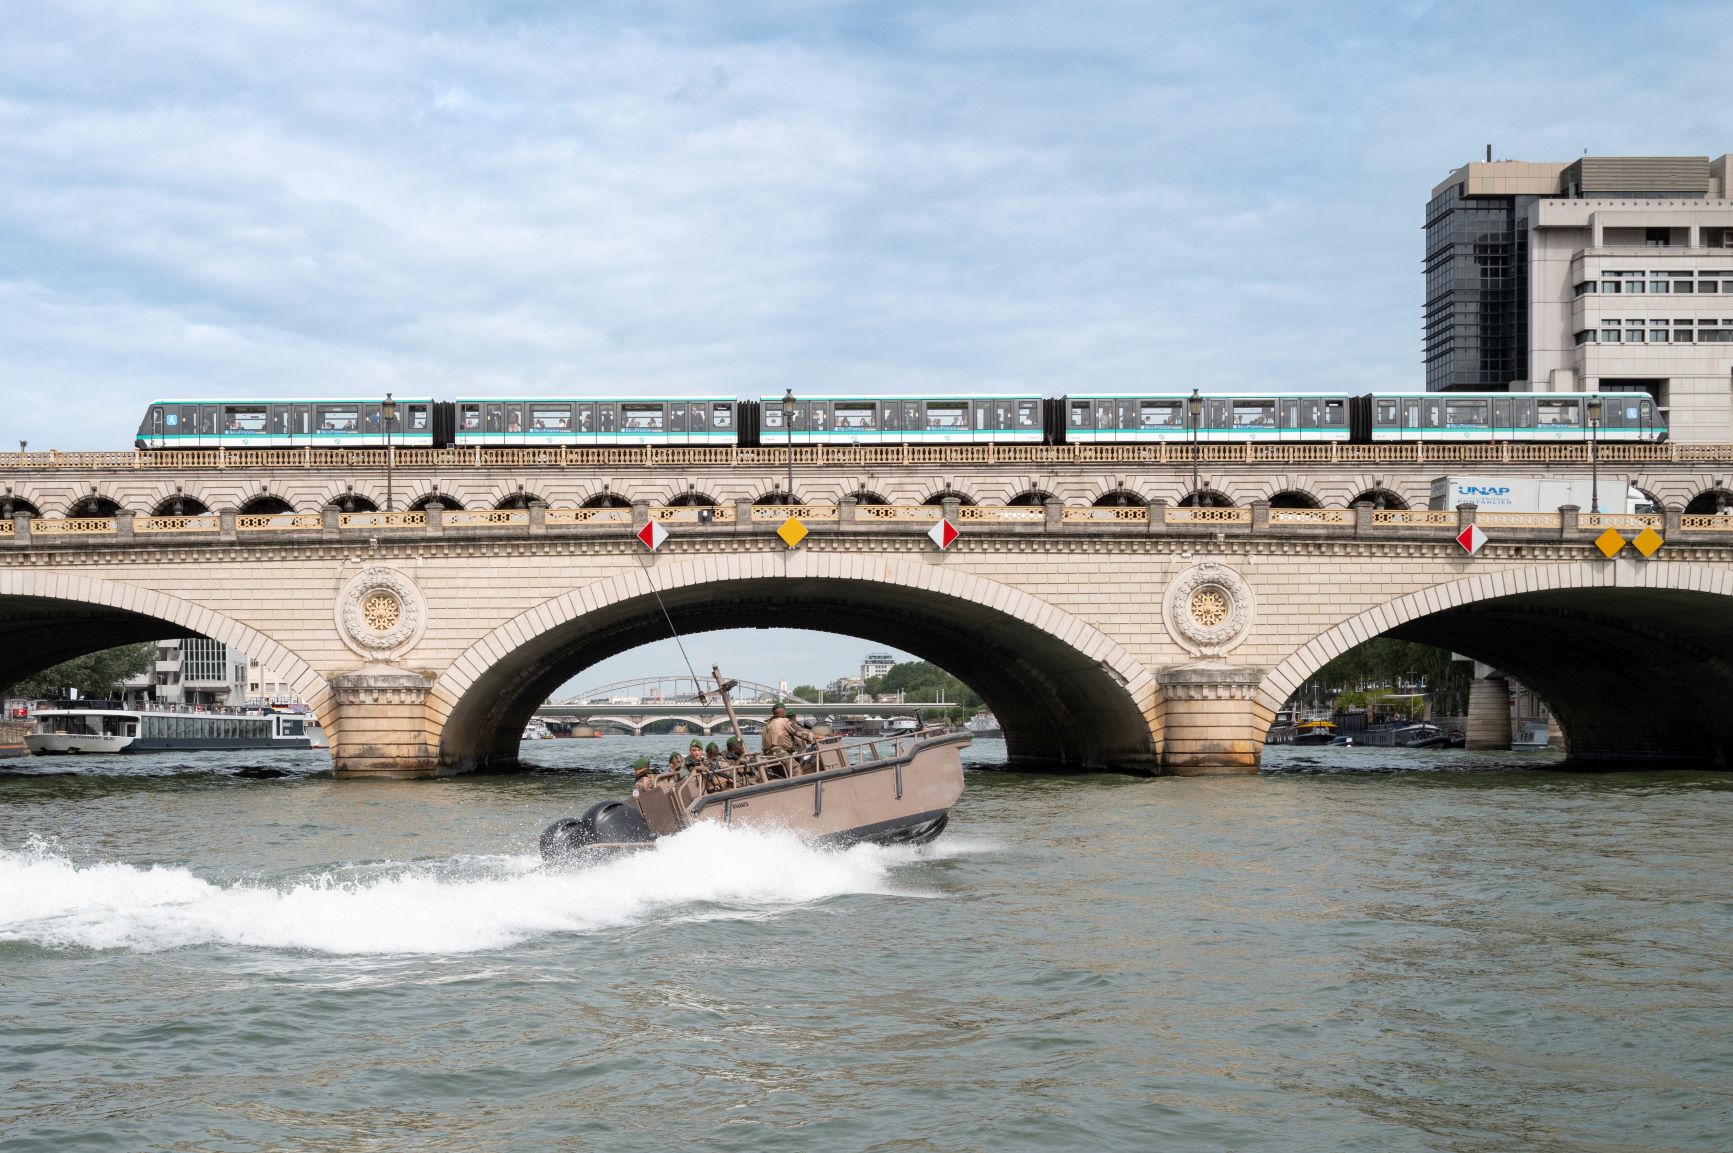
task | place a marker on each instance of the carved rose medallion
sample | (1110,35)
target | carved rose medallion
(380,612)
(1208,609)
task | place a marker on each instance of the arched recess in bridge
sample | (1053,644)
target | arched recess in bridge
(47,618)
(1294,498)
(426,501)
(1206,498)
(1379,498)
(1710,502)
(1065,694)
(265,504)
(948,493)
(351,501)
(93,505)
(1632,671)
(11,506)
(179,504)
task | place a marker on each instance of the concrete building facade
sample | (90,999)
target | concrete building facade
(1605,274)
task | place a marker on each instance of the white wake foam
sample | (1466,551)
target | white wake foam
(463,906)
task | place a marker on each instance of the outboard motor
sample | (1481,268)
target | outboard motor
(607,823)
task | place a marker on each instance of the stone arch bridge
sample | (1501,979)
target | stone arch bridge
(1151,639)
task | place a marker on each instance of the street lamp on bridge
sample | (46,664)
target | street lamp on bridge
(388,414)
(788,431)
(1594,455)
(1194,410)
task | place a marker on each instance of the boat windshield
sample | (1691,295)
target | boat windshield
(88,724)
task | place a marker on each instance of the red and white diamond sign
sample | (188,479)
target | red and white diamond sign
(944,533)
(653,534)
(1471,539)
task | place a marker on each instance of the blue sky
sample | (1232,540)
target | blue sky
(216,197)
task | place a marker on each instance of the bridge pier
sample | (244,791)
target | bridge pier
(1212,721)
(1489,713)
(381,728)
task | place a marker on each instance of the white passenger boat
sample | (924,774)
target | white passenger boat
(117,730)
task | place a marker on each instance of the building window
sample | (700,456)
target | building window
(1585,336)
(1715,336)
(1584,287)
(1657,332)
(1657,237)
(1709,286)
(1609,335)
(1658,285)
(1681,332)
(1609,286)
(1634,332)
(1684,286)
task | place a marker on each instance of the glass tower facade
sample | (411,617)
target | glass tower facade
(1476,291)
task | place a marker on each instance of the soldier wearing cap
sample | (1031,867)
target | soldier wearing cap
(643,776)
(783,736)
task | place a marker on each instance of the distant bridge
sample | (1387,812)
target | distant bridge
(631,705)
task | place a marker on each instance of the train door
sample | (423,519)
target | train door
(1291,422)
(493,419)
(679,421)
(914,421)
(300,420)
(608,421)
(583,421)
(818,419)
(890,420)
(721,427)
(1028,425)
(1501,425)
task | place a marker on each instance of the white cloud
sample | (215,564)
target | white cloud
(270,197)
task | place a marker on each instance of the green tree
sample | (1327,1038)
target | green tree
(95,675)
(806,692)
(1383,666)
(922,680)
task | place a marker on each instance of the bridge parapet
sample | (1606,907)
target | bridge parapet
(1428,524)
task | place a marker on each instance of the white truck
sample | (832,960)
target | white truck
(1536,494)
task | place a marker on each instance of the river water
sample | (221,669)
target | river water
(1355,950)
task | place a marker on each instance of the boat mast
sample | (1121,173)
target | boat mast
(722,688)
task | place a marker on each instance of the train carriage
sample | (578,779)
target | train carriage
(705,420)
(1135,418)
(843,419)
(1469,417)
(209,424)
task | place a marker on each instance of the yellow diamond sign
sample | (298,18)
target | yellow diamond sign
(793,532)
(1610,542)
(1648,541)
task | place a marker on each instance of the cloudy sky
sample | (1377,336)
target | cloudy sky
(223,197)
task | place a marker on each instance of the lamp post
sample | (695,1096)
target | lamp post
(1594,455)
(388,414)
(1194,410)
(788,432)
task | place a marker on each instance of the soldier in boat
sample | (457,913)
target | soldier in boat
(783,736)
(643,776)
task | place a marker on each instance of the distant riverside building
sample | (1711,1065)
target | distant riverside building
(200,671)
(1608,274)
(876,665)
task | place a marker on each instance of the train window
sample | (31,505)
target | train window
(1254,414)
(641,417)
(983,409)
(1465,414)
(493,417)
(797,418)
(1334,415)
(1387,414)
(584,417)
(607,417)
(1104,414)
(677,418)
(820,415)
(514,418)
(1080,415)
(338,419)
(721,416)
(470,420)
(1002,414)
(1028,414)
(1556,413)
(947,415)
(417,421)
(244,418)
(772,414)
(280,419)
(1125,414)
(547,418)
(856,416)
(1155,414)
(913,421)
(891,413)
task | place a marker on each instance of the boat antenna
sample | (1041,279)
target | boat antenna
(671,629)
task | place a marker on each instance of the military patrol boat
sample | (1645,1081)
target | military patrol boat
(885,790)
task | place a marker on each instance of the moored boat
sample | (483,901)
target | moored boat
(118,730)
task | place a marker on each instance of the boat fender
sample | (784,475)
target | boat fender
(610,822)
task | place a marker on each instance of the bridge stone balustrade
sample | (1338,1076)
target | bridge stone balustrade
(1147,638)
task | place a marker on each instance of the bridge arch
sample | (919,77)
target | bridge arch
(1294,497)
(1635,662)
(93,504)
(1379,497)
(266,504)
(50,617)
(178,503)
(1064,692)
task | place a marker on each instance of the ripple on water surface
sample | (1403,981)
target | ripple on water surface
(1380,952)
